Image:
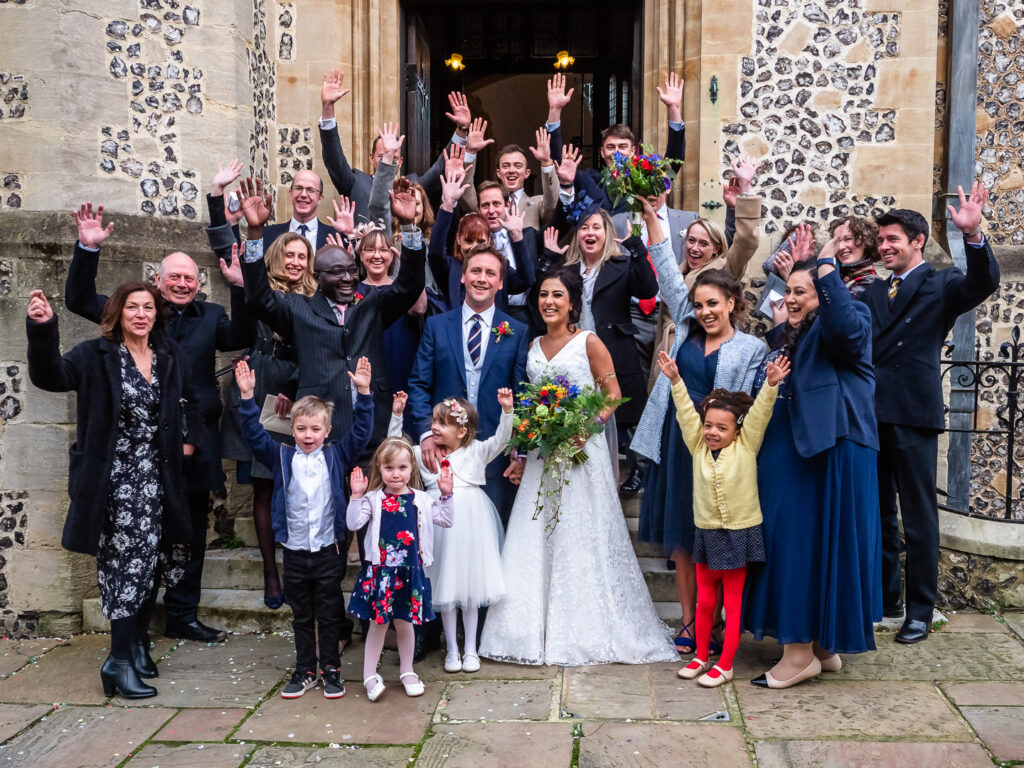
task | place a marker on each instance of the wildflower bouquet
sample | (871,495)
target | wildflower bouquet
(634,177)
(555,418)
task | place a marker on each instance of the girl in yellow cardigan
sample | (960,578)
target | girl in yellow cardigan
(726,510)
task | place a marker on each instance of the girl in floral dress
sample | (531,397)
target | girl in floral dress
(399,542)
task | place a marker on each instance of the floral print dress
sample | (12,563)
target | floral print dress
(129,551)
(397,588)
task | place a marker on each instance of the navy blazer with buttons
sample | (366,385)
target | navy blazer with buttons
(908,336)
(832,380)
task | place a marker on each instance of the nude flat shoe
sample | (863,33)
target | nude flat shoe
(832,664)
(767,681)
(724,676)
(690,671)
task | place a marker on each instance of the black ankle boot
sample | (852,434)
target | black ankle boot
(141,660)
(119,675)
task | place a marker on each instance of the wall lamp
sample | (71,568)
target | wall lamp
(564,60)
(455,62)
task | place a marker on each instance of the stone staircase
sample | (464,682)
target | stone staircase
(233,584)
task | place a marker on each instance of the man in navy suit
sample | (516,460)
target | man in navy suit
(462,354)
(306,192)
(912,313)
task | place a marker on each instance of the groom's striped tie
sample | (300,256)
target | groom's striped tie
(474,339)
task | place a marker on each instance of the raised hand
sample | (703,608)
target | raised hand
(668,366)
(398,401)
(445,481)
(332,88)
(39,309)
(224,177)
(672,96)
(255,204)
(731,192)
(245,377)
(460,114)
(506,399)
(968,218)
(454,160)
(744,168)
(566,169)
(337,241)
(475,141)
(777,370)
(344,215)
(357,483)
(558,98)
(91,232)
(233,273)
(784,262)
(801,243)
(452,189)
(390,142)
(512,221)
(403,201)
(361,378)
(231,217)
(551,241)
(542,152)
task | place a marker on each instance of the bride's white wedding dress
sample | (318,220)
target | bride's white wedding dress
(576,596)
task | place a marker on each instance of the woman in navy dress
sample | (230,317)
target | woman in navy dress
(819,591)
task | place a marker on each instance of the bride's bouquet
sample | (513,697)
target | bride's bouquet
(633,177)
(556,418)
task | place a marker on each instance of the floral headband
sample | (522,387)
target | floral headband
(364,229)
(457,411)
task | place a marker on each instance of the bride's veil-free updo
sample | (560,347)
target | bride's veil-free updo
(570,277)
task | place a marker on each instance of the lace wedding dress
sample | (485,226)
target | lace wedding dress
(576,596)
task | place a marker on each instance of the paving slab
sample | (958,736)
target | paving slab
(498,745)
(677,699)
(202,725)
(986,694)
(15,654)
(85,737)
(608,691)
(1015,621)
(14,718)
(191,756)
(1001,728)
(850,709)
(650,745)
(236,673)
(865,754)
(432,668)
(978,623)
(393,719)
(331,757)
(497,700)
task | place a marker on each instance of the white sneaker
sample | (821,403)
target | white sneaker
(452,663)
(471,663)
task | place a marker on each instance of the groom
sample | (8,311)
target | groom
(471,352)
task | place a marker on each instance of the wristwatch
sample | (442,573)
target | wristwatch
(827,261)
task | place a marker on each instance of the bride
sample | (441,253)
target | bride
(576,594)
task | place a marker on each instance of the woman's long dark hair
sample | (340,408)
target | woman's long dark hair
(730,287)
(570,277)
(793,333)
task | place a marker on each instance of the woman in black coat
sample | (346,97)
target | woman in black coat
(138,422)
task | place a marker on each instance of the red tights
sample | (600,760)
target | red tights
(732,602)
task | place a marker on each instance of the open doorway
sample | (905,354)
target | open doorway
(508,51)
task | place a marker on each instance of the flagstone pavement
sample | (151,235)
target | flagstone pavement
(955,700)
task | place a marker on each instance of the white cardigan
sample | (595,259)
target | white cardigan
(367,509)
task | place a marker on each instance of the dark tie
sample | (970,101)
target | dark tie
(894,288)
(303,230)
(474,339)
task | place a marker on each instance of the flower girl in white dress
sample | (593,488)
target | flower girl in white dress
(466,573)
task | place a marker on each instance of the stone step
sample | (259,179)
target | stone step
(670,612)
(642,549)
(631,505)
(243,569)
(245,529)
(237,610)
(661,582)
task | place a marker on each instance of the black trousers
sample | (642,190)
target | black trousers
(312,581)
(181,601)
(906,471)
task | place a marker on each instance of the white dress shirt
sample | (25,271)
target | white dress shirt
(311,228)
(473,371)
(503,243)
(309,506)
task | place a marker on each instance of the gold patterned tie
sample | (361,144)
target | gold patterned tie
(894,288)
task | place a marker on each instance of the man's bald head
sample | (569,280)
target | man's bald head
(306,192)
(177,278)
(337,274)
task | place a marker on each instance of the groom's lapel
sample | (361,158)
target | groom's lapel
(454,334)
(495,345)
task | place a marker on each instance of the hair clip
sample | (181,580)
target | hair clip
(457,411)
(366,228)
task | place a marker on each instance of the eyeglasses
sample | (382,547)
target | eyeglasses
(339,272)
(311,191)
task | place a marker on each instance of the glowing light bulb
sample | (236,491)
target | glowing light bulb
(455,62)
(564,60)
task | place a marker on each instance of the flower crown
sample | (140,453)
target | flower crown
(457,411)
(364,229)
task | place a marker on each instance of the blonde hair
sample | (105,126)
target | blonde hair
(715,234)
(385,451)
(460,413)
(611,248)
(313,407)
(276,275)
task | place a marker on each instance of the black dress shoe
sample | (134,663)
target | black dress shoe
(912,631)
(141,660)
(419,650)
(119,675)
(193,630)
(895,612)
(631,485)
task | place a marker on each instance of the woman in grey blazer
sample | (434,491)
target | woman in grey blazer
(711,353)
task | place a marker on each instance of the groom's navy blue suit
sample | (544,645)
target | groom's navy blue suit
(440,371)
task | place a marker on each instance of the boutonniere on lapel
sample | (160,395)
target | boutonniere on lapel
(502,330)
(357,299)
